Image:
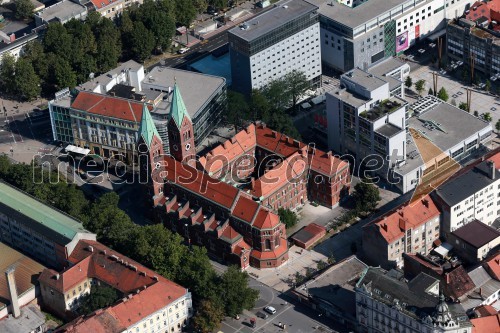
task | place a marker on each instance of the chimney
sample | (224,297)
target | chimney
(253,182)
(402,224)
(91,248)
(447,275)
(275,134)
(426,203)
(384,226)
(12,37)
(11,284)
(57,276)
(491,169)
(329,154)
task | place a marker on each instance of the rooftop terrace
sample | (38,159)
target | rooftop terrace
(384,107)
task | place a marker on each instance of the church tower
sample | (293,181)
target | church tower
(150,148)
(180,130)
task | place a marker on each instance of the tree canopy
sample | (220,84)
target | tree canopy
(366,195)
(98,298)
(443,94)
(23,9)
(152,245)
(287,217)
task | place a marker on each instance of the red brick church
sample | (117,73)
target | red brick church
(234,217)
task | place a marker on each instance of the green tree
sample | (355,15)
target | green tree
(197,272)
(259,106)
(58,41)
(487,86)
(27,83)
(487,117)
(237,109)
(159,21)
(276,94)
(98,298)
(287,217)
(366,195)
(23,9)
(497,127)
(443,94)
(430,92)
(235,293)
(63,75)
(463,106)
(208,316)
(331,259)
(408,82)
(7,73)
(142,41)
(321,265)
(296,85)
(420,86)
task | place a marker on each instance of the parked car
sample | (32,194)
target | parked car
(270,310)
(262,315)
(183,50)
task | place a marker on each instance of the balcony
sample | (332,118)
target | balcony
(384,107)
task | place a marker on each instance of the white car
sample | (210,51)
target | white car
(270,309)
(183,50)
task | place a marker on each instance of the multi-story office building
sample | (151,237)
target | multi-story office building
(365,120)
(386,302)
(273,44)
(411,228)
(474,38)
(40,231)
(471,195)
(108,126)
(359,33)
(148,302)
(205,97)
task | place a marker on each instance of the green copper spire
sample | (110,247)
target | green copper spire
(148,128)
(177,108)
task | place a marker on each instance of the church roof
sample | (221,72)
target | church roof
(178,108)
(148,128)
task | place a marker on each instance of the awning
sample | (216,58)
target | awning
(77,150)
(305,105)
(443,249)
(436,35)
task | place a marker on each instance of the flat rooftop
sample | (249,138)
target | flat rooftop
(336,285)
(25,274)
(30,319)
(388,130)
(354,17)
(451,125)
(384,107)
(476,233)
(283,12)
(196,89)
(105,78)
(386,66)
(348,97)
(364,79)
(55,225)
(62,10)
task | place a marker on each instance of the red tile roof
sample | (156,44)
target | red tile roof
(242,245)
(485,310)
(245,209)
(149,291)
(326,163)
(266,219)
(490,324)
(200,183)
(393,226)
(101,3)
(230,234)
(97,322)
(493,267)
(283,174)
(273,254)
(108,106)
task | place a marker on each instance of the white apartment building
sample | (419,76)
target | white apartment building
(386,302)
(360,33)
(367,120)
(472,195)
(273,44)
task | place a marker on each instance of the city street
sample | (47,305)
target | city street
(296,317)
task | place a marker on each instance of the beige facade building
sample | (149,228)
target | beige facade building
(411,228)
